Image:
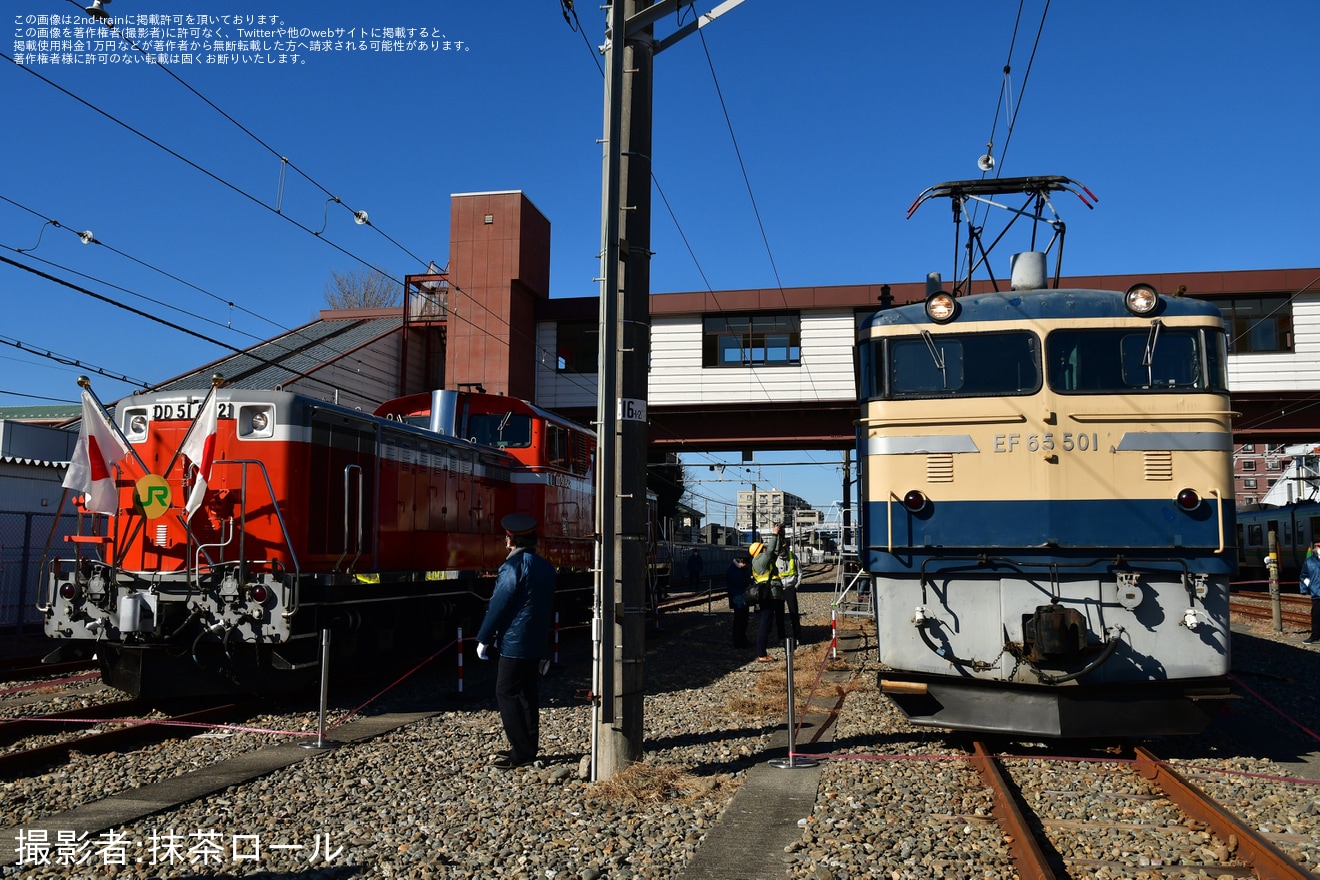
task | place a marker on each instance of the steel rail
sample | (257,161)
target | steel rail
(1028,858)
(1267,860)
(14,764)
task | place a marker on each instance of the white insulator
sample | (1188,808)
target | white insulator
(919,617)
(1191,619)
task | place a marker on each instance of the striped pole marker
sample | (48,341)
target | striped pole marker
(556,638)
(834,634)
(460,659)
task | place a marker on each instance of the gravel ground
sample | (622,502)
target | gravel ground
(424,802)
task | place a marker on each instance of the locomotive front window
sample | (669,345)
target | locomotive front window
(953,365)
(503,430)
(1158,358)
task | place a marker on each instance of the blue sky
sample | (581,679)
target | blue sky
(1194,122)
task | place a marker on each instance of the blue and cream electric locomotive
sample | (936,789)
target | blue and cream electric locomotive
(1047,503)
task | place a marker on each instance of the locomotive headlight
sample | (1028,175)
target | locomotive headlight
(1141,299)
(916,501)
(941,307)
(135,425)
(255,421)
(68,590)
(260,594)
(1188,499)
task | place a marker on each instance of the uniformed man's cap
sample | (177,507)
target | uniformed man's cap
(519,524)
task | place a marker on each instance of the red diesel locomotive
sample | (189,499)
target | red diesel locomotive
(380,527)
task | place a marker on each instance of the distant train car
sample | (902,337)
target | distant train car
(1047,513)
(1294,526)
(379,527)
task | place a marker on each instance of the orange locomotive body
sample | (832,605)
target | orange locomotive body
(382,528)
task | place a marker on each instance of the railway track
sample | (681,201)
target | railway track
(1048,842)
(1295,609)
(118,726)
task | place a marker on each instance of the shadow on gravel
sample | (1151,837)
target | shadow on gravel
(310,874)
(1278,714)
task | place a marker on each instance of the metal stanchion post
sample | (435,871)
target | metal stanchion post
(793,761)
(459,643)
(321,742)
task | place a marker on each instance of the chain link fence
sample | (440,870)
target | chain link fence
(23,541)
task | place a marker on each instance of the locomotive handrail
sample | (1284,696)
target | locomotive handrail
(347,470)
(947,420)
(290,592)
(1219,505)
(889,512)
(201,549)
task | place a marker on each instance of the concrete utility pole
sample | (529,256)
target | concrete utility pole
(619,626)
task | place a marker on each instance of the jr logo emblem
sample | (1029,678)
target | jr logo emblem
(153,496)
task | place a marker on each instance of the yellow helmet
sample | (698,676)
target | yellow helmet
(756,548)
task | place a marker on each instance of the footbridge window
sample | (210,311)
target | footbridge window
(751,340)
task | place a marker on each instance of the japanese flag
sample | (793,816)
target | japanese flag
(200,449)
(99,449)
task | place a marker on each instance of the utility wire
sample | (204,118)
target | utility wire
(747,181)
(134,293)
(254,199)
(36,396)
(159,320)
(94,240)
(360,216)
(1022,91)
(217,178)
(576,25)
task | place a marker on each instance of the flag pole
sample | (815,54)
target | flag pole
(217,380)
(86,384)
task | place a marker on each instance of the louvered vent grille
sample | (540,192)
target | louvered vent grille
(939,467)
(1159,465)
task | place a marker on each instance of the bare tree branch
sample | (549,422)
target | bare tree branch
(365,289)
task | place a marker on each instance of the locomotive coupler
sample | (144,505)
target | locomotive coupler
(1054,631)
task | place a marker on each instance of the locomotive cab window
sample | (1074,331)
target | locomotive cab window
(1159,358)
(502,430)
(953,365)
(556,445)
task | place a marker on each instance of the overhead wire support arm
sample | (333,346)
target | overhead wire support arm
(691,27)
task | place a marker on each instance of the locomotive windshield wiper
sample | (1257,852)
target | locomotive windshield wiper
(937,356)
(1148,356)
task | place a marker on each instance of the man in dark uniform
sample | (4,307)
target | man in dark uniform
(518,623)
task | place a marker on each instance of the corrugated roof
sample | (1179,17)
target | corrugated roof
(56,412)
(279,360)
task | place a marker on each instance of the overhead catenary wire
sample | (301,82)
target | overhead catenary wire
(360,216)
(222,325)
(190,163)
(97,241)
(69,361)
(1005,100)
(455,314)
(159,320)
(719,306)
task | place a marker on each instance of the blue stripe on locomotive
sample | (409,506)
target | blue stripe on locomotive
(1040,304)
(1030,529)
